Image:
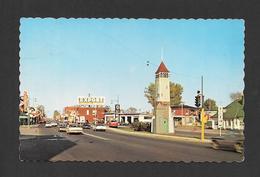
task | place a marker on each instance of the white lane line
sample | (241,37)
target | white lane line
(99,137)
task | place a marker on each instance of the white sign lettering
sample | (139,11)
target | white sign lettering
(220,117)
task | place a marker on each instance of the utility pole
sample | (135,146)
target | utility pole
(202,114)
(202,96)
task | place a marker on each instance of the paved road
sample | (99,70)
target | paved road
(112,146)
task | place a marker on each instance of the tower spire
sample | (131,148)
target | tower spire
(162,54)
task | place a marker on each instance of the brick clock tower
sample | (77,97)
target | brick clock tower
(163,122)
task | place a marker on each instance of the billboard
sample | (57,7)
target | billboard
(82,100)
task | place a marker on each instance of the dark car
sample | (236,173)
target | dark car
(232,140)
(86,126)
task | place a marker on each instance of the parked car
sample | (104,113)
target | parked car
(233,140)
(42,122)
(99,127)
(48,125)
(113,123)
(124,124)
(74,128)
(86,126)
(62,127)
(54,124)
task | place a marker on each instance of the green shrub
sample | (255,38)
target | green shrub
(141,126)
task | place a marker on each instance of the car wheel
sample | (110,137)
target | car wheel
(215,145)
(238,147)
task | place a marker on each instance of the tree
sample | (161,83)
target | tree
(236,95)
(131,110)
(176,91)
(56,114)
(210,105)
(150,94)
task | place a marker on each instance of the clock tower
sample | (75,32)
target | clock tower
(163,122)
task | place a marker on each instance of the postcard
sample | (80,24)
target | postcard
(161,90)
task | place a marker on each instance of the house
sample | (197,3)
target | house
(234,115)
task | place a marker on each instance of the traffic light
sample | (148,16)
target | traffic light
(197,101)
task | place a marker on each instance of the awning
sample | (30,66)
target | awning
(23,117)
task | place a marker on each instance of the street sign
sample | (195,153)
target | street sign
(220,117)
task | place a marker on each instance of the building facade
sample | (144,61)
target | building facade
(185,115)
(129,118)
(89,109)
(84,114)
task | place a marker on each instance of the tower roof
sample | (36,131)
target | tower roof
(162,68)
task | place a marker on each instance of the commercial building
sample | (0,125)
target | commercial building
(185,115)
(89,109)
(29,114)
(129,118)
(84,114)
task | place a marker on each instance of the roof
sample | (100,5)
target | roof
(184,106)
(162,68)
(23,117)
(234,110)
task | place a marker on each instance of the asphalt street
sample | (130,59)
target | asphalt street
(52,145)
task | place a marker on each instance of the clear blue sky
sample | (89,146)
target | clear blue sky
(61,59)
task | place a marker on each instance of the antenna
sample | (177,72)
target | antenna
(162,53)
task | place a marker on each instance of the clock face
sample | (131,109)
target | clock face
(117,106)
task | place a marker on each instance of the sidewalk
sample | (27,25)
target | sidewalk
(198,130)
(32,130)
(170,137)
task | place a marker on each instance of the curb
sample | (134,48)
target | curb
(163,137)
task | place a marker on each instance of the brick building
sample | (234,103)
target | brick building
(184,115)
(90,114)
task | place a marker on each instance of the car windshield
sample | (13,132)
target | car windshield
(73,125)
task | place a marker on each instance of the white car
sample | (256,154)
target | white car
(99,127)
(48,125)
(74,128)
(62,127)
(54,124)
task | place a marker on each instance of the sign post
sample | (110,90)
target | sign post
(204,119)
(117,111)
(220,119)
(202,116)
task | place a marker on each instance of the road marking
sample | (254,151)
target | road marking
(99,137)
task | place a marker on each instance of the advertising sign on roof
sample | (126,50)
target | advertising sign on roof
(82,100)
